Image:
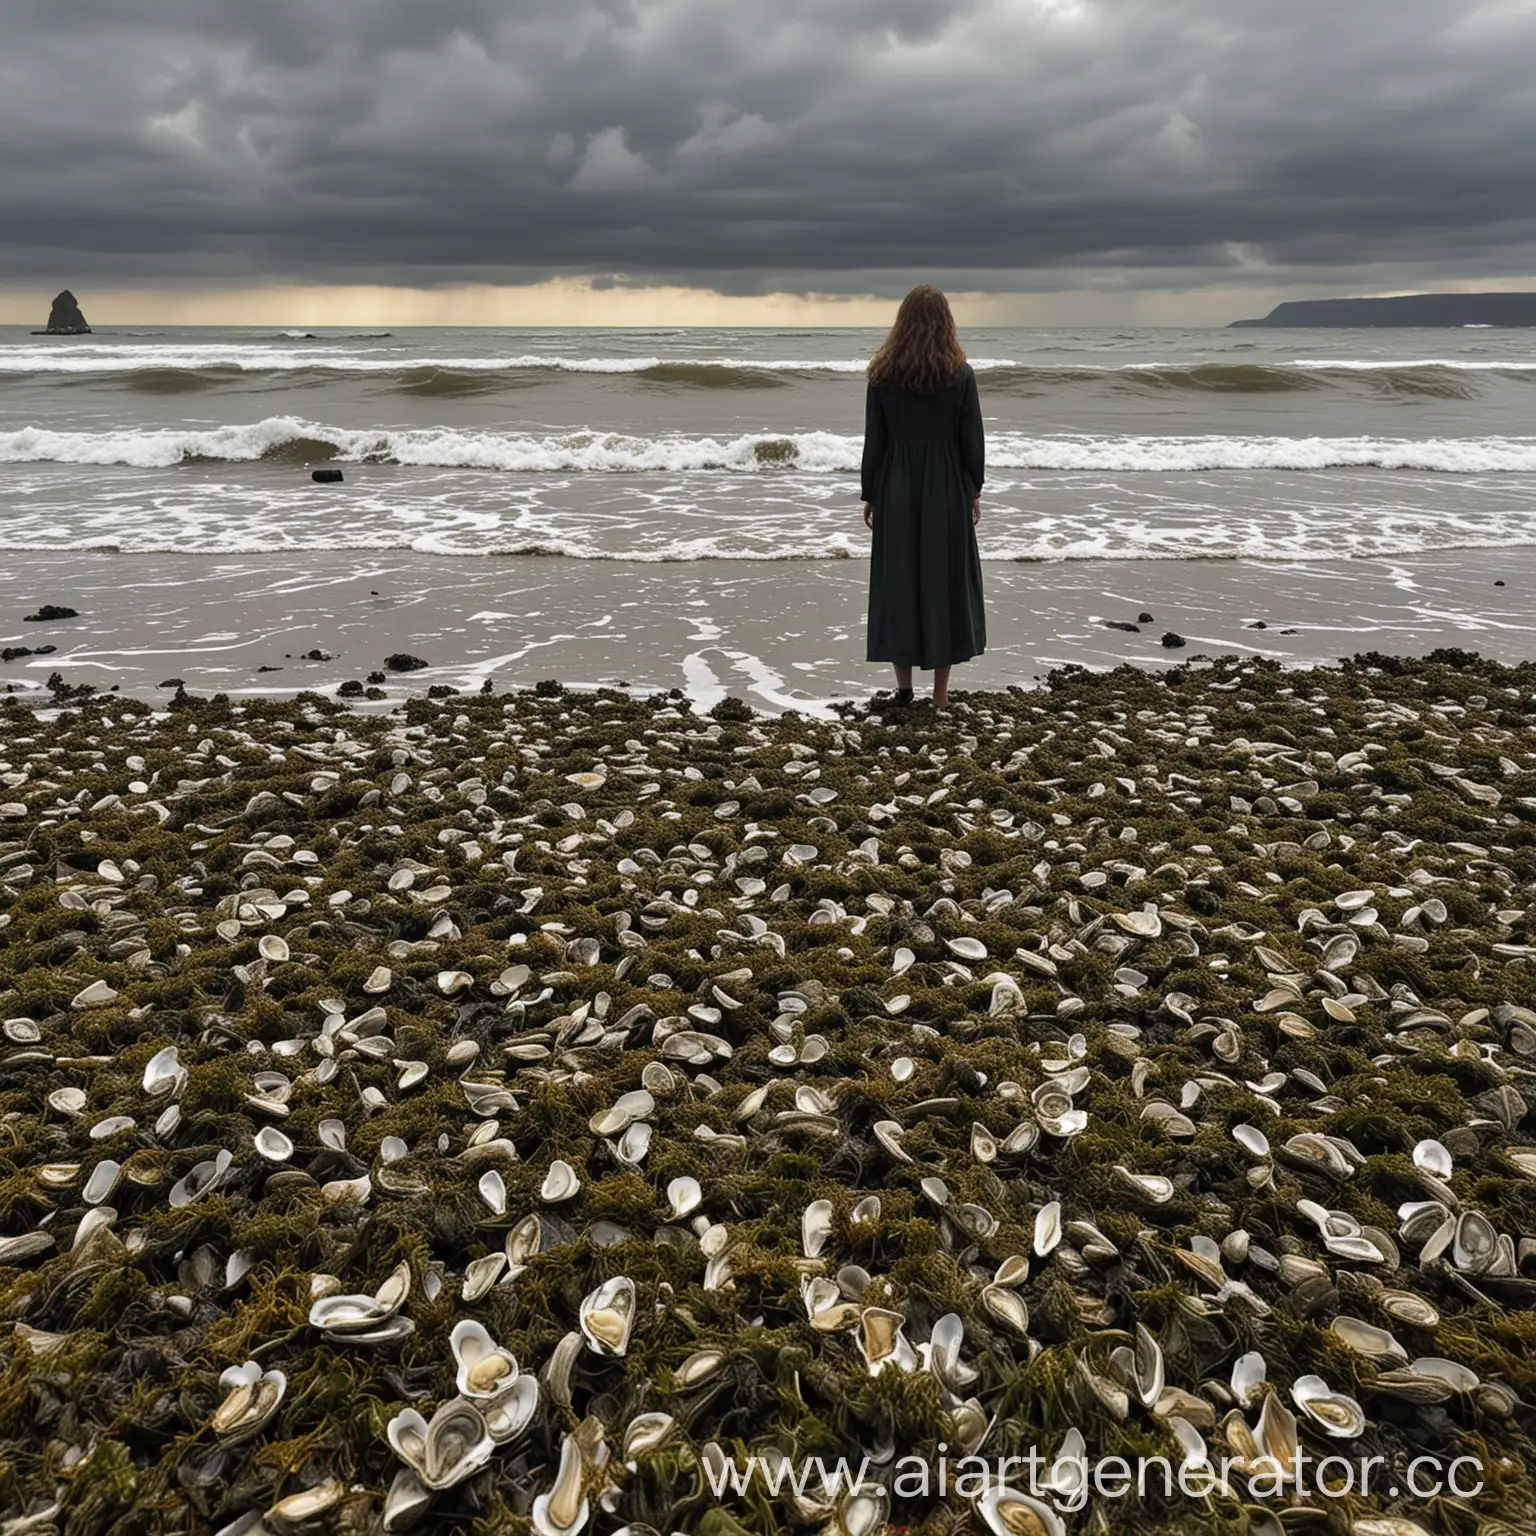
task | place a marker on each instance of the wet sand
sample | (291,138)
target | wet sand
(781,636)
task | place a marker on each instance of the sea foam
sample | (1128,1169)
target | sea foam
(290,439)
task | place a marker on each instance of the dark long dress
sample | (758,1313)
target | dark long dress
(924,461)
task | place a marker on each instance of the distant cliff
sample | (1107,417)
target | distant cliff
(1412,309)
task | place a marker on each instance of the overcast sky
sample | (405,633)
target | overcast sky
(843,147)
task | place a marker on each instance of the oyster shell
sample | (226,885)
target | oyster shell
(564,1509)
(883,1342)
(607,1315)
(1151,1187)
(1047,1228)
(815,1227)
(1140,1368)
(684,1197)
(561,1183)
(1365,1339)
(254,1395)
(510,1414)
(453,1445)
(1335,1413)
(1433,1158)
(483,1368)
(1007,1511)
(1474,1244)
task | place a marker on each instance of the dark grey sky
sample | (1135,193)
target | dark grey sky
(835,145)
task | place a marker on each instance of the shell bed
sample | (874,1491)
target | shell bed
(499,1114)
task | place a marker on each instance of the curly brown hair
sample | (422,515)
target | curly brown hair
(922,353)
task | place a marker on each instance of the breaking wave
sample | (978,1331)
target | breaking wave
(287,440)
(177,367)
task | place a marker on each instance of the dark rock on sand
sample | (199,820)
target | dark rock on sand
(65,319)
(1258,624)
(1145,618)
(265,668)
(375,678)
(350,690)
(172,682)
(327,476)
(441,691)
(63,691)
(1130,629)
(318,655)
(402,661)
(1173,642)
(50,611)
(16,652)
(1498,583)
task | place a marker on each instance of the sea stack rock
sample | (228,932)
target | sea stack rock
(65,318)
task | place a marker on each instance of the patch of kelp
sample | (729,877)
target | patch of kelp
(1018,792)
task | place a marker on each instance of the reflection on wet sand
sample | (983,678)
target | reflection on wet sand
(279,624)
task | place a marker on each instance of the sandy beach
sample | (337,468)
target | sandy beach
(780,636)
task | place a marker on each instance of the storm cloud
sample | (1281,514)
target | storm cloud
(747,145)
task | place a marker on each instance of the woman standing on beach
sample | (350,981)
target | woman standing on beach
(924,460)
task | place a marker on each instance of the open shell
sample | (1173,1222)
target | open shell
(164,1073)
(508,1416)
(405,1503)
(1432,1157)
(1009,1511)
(362,1318)
(1007,1307)
(1047,1228)
(1333,1412)
(1141,1368)
(560,1183)
(564,1509)
(815,1227)
(273,1145)
(1474,1245)
(254,1395)
(483,1368)
(1367,1340)
(1275,1436)
(684,1196)
(882,1341)
(607,1316)
(454,1445)
(1151,1187)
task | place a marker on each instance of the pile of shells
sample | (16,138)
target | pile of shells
(514,1112)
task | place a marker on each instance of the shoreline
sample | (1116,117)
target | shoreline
(781,636)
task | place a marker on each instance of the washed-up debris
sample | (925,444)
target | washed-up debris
(490,1116)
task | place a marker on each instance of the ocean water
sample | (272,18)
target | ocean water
(707,445)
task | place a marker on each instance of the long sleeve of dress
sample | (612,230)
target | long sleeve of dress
(973,445)
(874,445)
